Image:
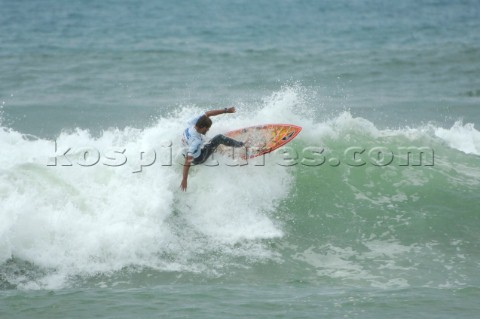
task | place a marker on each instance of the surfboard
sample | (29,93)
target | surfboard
(262,139)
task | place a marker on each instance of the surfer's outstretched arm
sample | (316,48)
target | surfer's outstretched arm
(186,168)
(222,111)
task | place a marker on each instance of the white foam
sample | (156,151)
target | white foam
(463,137)
(70,219)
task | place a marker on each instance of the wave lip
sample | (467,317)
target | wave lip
(461,137)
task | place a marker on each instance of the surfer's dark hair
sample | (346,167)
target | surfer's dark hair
(204,121)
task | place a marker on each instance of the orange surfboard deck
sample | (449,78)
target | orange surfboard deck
(263,139)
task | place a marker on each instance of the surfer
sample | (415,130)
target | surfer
(193,139)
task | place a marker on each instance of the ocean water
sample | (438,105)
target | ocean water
(371,212)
